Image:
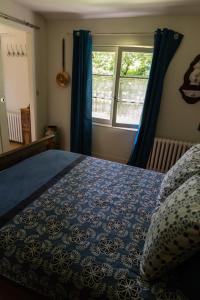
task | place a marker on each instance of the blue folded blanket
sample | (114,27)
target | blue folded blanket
(21,180)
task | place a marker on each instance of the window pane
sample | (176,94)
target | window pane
(128,113)
(103,86)
(134,73)
(101,108)
(135,64)
(102,96)
(132,89)
(103,62)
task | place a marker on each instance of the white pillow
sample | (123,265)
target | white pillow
(174,232)
(187,166)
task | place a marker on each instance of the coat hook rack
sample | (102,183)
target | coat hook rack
(16,50)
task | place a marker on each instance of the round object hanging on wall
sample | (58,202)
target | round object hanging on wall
(62,77)
(190,90)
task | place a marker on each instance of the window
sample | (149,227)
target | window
(120,77)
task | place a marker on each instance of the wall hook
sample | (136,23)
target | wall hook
(26,50)
(22,52)
(17,51)
(13,52)
(8,51)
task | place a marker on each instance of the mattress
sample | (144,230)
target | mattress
(76,229)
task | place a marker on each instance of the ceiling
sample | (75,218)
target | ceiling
(59,9)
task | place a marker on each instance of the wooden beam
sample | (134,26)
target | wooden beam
(12,157)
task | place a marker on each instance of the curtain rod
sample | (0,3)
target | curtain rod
(121,33)
(124,33)
(16,20)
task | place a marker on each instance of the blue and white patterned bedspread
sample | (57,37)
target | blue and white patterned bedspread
(82,237)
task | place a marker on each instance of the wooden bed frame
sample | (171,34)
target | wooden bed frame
(8,289)
(12,157)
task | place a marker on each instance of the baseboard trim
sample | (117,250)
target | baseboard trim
(111,158)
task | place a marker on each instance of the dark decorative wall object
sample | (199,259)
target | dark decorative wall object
(190,90)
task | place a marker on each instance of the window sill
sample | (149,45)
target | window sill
(114,127)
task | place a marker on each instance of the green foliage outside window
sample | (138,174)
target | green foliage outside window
(133,63)
(103,62)
(136,64)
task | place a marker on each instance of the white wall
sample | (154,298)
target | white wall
(15,69)
(112,143)
(1,75)
(177,119)
(39,68)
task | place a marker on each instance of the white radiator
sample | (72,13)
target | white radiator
(15,127)
(165,153)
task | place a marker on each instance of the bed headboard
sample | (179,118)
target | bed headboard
(12,157)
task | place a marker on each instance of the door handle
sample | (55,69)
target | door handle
(2,100)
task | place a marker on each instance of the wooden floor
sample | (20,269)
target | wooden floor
(13,145)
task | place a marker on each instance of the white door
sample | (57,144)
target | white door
(4,134)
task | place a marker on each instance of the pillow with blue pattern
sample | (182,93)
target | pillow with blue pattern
(174,232)
(187,166)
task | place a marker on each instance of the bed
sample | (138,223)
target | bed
(72,226)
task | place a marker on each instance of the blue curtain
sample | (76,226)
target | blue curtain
(166,42)
(81,100)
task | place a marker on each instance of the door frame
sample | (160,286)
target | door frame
(30,38)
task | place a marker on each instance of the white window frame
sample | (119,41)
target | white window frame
(118,50)
(107,49)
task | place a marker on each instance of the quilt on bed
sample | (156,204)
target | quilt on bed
(81,237)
